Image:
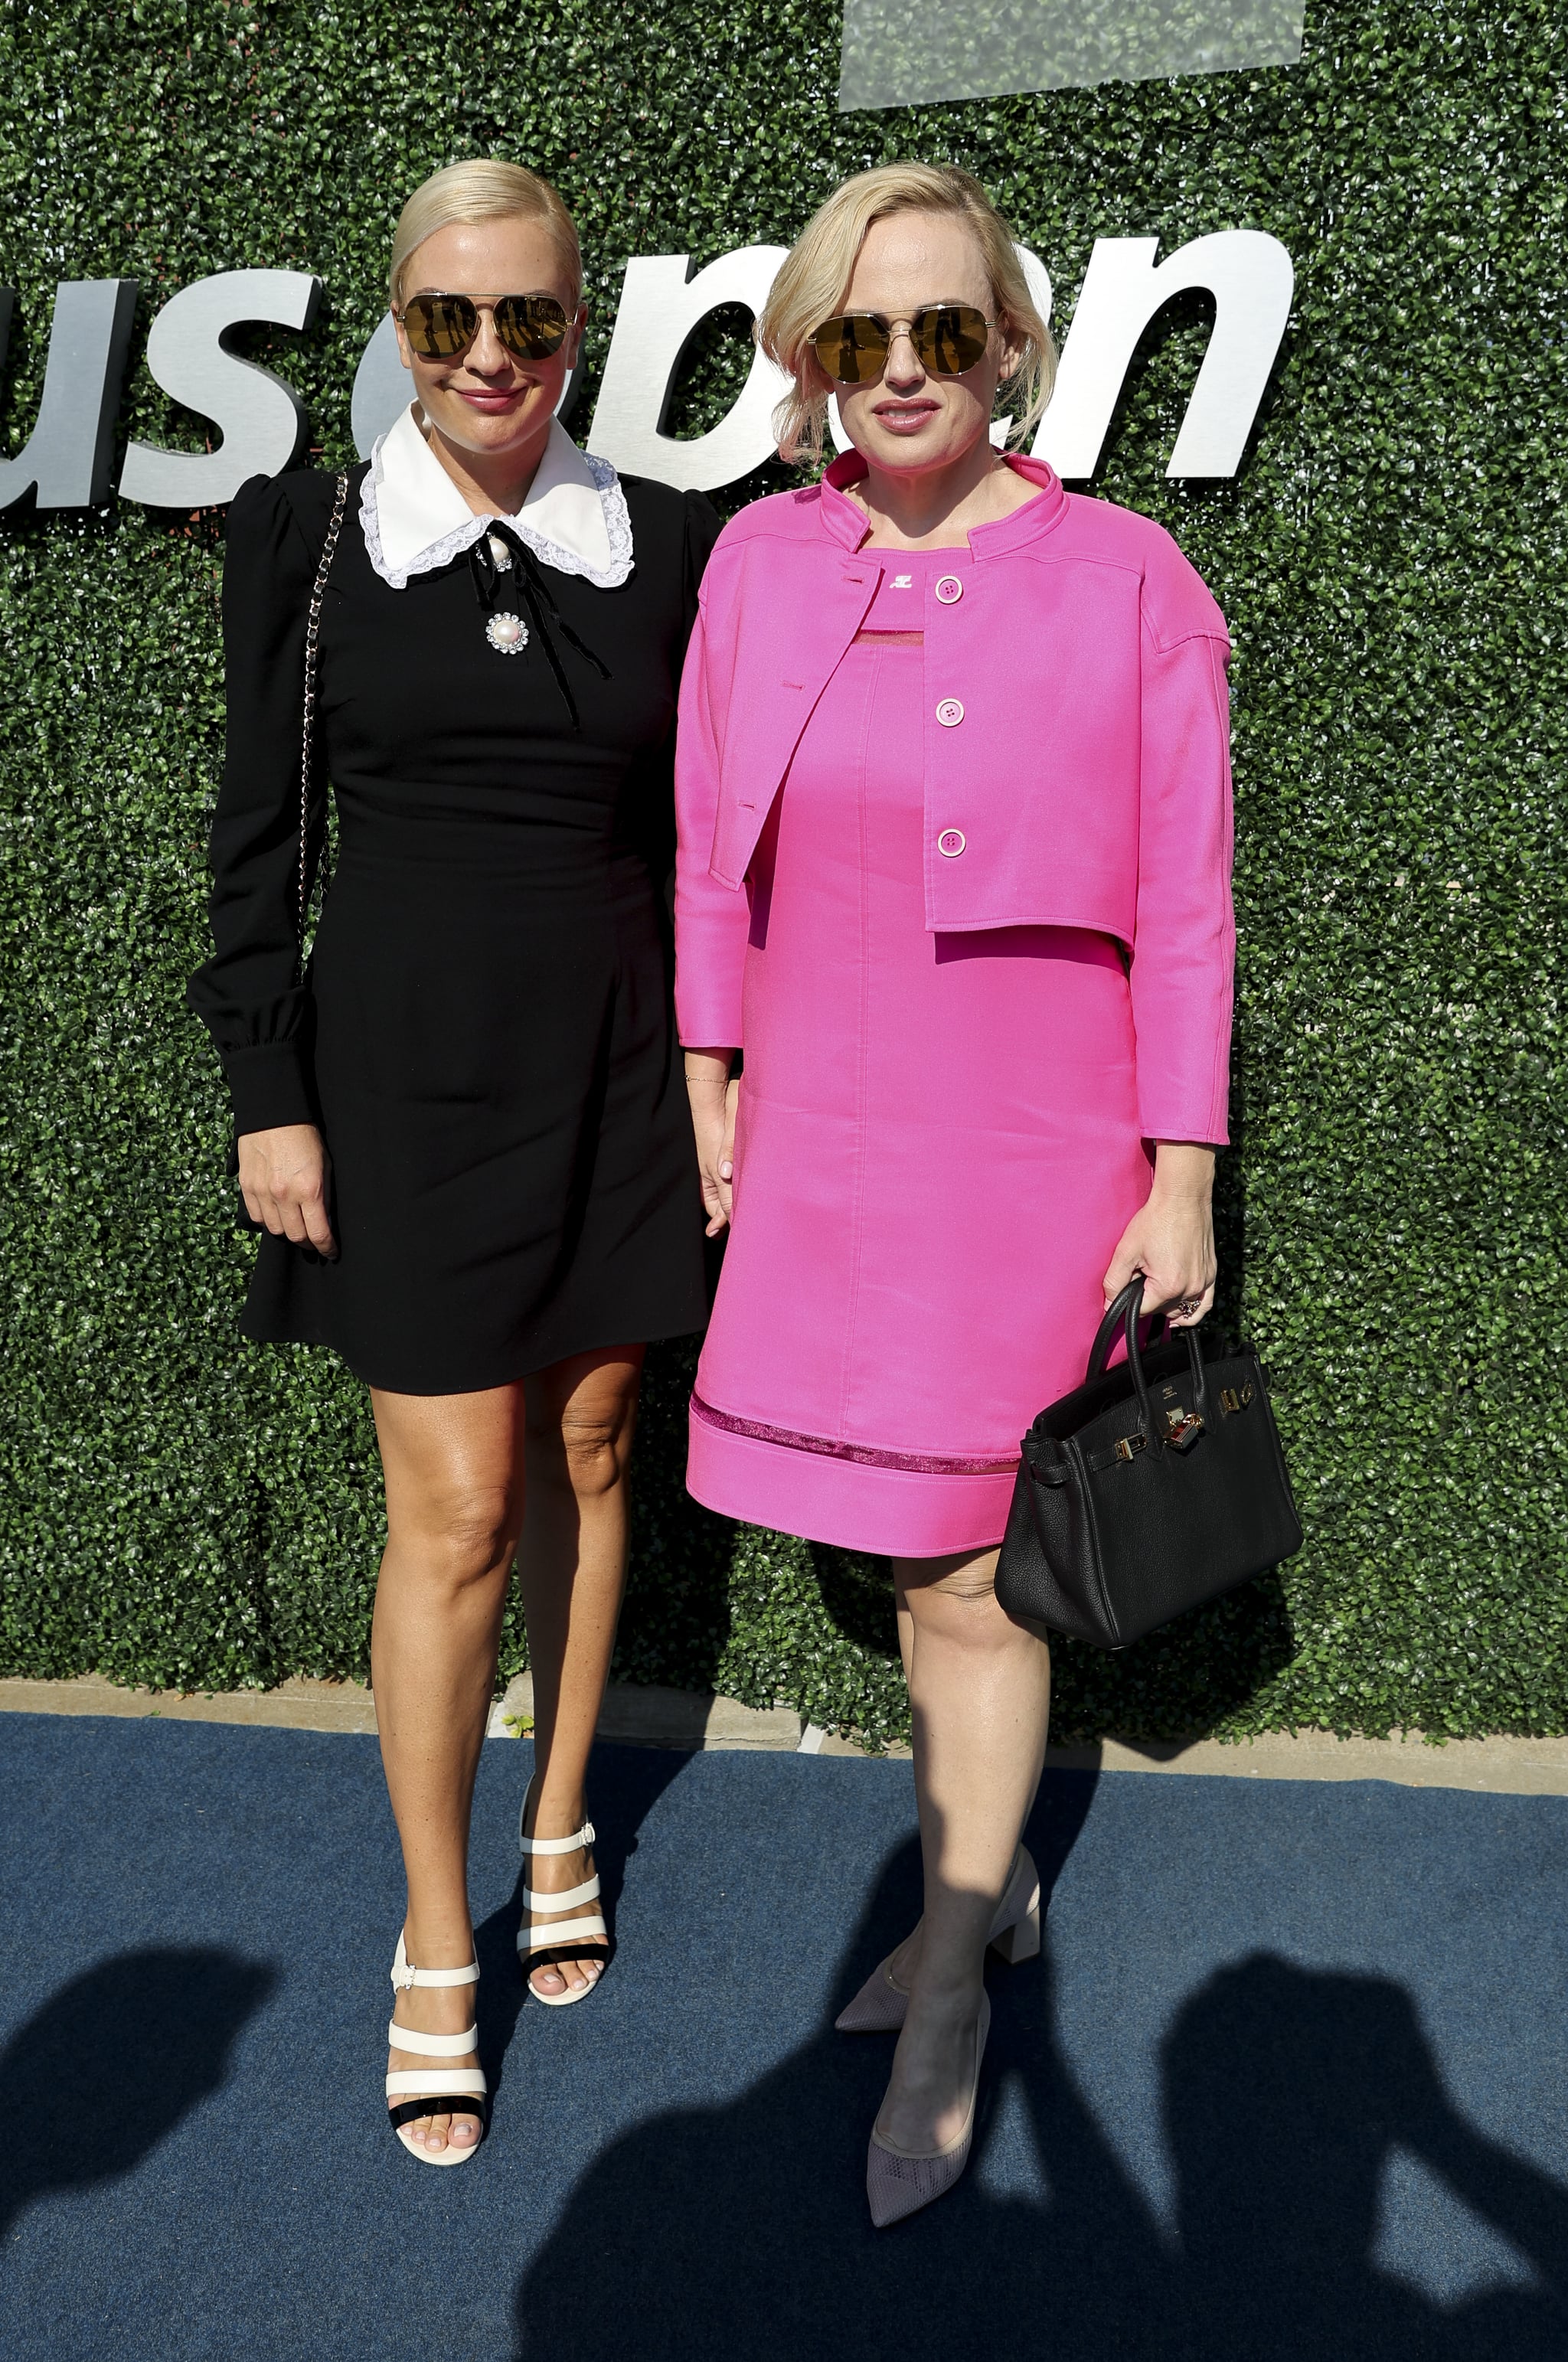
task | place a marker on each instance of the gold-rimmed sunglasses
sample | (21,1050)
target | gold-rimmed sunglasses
(441,327)
(949,338)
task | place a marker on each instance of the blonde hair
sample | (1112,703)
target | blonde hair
(480,191)
(811,280)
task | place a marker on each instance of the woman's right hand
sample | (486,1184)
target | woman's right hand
(282,1179)
(714,1098)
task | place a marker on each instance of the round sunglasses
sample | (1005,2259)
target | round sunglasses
(440,328)
(949,338)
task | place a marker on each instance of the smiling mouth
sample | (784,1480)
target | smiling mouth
(904,417)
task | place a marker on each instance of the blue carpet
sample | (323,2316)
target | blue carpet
(1291,2080)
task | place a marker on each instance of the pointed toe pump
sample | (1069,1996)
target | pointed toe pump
(587,1939)
(899,2181)
(454,2091)
(880,2004)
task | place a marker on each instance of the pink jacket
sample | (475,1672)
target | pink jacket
(1076,755)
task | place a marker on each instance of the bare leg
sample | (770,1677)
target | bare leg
(572,1566)
(980,1688)
(453,1465)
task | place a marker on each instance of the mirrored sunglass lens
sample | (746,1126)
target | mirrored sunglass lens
(853,349)
(531,326)
(950,339)
(440,326)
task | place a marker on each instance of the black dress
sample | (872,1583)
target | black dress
(484,1033)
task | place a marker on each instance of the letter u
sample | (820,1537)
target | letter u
(67,457)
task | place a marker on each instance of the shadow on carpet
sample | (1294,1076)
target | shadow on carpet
(1285,2097)
(1290,2081)
(110,2065)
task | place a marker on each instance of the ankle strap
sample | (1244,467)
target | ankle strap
(404,1977)
(584,1837)
(528,1845)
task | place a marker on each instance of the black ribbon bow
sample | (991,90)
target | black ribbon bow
(537,597)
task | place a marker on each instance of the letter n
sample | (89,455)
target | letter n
(1250,278)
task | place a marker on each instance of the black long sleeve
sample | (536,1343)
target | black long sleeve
(703,526)
(250,994)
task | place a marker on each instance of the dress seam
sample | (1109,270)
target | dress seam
(863,1455)
(857,1217)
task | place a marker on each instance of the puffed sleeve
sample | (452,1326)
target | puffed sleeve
(250,994)
(1184,947)
(712,921)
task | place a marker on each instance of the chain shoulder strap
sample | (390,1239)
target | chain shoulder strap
(307,733)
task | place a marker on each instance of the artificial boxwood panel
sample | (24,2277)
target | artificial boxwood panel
(180,1506)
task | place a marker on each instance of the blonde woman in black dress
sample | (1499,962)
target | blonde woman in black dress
(462,1129)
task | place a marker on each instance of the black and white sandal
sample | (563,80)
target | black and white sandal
(587,1939)
(457,2090)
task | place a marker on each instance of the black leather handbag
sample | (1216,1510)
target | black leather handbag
(1151,1488)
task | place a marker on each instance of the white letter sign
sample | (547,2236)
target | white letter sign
(68,454)
(1252,279)
(661,308)
(262,421)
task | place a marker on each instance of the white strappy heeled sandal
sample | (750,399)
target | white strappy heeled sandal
(456,2092)
(564,1940)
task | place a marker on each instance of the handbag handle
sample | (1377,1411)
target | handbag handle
(1126,1312)
(1115,1322)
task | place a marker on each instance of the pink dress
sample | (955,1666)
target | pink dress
(938,1148)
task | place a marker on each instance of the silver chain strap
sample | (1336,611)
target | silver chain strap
(307,735)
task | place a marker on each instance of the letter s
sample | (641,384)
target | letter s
(262,422)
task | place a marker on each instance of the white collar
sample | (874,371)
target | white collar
(414,519)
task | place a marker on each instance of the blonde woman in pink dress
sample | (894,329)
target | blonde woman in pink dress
(953,798)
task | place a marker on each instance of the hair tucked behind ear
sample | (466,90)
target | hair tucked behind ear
(811,280)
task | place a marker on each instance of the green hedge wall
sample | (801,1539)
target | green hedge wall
(184,1508)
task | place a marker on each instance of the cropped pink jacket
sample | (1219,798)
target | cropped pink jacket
(1076,755)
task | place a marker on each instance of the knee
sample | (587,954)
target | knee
(961,1606)
(966,1610)
(971,1586)
(461,1532)
(595,1446)
(582,1445)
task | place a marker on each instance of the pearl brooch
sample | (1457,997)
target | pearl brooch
(508,635)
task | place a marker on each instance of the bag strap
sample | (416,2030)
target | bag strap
(307,732)
(1125,1314)
(1130,1300)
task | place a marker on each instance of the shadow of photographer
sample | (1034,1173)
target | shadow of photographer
(111,2063)
(741,2229)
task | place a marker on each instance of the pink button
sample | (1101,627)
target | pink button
(950,713)
(949,589)
(951,843)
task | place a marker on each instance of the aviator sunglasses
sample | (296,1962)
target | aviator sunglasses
(853,346)
(440,328)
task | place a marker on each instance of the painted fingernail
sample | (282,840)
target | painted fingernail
(726,1170)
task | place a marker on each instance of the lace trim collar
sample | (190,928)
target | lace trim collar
(415,520)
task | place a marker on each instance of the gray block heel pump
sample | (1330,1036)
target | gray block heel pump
(899,2181)
(881,2005)
(454,2091)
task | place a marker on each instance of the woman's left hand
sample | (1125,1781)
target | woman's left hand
(1171,1238)
(714,1098)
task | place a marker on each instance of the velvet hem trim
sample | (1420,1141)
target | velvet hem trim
(912,1463)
